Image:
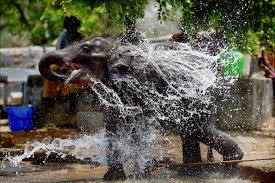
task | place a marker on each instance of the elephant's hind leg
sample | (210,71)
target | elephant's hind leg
(223,144)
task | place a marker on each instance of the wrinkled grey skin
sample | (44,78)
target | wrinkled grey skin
(99,57)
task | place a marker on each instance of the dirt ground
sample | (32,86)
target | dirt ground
(256,145)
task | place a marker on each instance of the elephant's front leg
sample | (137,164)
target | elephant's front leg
(140,151)
(114,157)
(191,154)
(191,149)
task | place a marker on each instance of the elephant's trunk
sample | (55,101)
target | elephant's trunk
(45,67)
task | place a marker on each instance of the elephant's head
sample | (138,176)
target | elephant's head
(85,58)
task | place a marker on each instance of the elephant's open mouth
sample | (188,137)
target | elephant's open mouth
(68,67)
(72,72)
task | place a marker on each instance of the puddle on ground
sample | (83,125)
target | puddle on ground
(10,170)
(26,167)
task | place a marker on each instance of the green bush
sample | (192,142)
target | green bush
(38,34)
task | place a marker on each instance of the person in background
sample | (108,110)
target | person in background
(57,91)
(271,57)
(70,34)
(266,66)
(181,37)
(67,37)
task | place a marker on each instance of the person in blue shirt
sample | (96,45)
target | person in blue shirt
(70,34)
(56,91)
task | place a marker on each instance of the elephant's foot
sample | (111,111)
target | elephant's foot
(115,173)
(238,155)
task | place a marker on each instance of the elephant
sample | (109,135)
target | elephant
(137,95)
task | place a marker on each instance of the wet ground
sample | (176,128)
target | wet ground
(64,172)
(256,145)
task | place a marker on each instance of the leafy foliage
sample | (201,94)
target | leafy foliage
(239,20)
(36,18)
(246,23)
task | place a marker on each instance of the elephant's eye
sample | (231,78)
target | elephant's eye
(97,45)
(85,48)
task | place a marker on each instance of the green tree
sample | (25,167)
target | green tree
(38,20)
(245,23)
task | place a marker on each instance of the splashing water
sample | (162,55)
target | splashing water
(161,85)
(160,77)
(92,147)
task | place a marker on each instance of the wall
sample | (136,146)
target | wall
(246,105)
(26,57)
